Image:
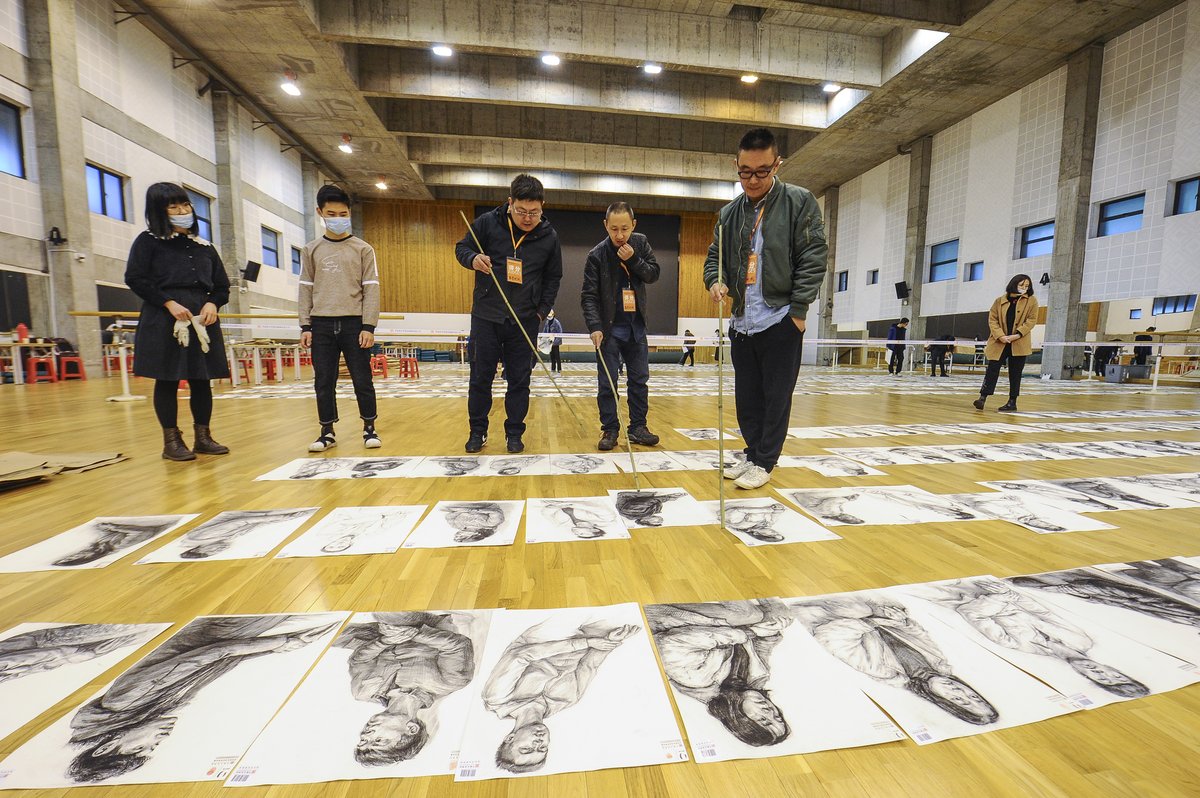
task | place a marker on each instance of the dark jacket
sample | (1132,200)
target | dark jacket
(938,350)
(896,333)
(603,278)
(541,267)
(794,249)
(553,327)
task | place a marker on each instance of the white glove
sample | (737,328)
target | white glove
(201,334)
(181,332)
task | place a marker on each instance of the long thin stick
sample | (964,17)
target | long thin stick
(721,375)
(520,326)
(617,399)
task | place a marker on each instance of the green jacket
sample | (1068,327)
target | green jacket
(794,249)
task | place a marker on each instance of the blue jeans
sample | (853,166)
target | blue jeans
(623,342)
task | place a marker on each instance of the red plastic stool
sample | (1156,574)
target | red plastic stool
(75,373)
(379,365)
(33,374)
(409,368)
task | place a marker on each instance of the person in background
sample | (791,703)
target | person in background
(937,354)
(182,283)
(897,332)
(552,326)
(1011,319)
(689,348)
(1142,353)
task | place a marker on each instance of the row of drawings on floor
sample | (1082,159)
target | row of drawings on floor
(842,462)
(503,693)
(1043,506)
(997,427)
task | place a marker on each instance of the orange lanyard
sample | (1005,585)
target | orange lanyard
(513,236)
(757,222)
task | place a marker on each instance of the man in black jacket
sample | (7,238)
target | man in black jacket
(614,307)
(523,248)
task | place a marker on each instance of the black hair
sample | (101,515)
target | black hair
(331,193)
(759,139)
(726,705)
(90,767)
(527,187)
(903,320)
(920,686)
(406,749)
(622,207)
(504,758)
(158,197)
(1016,280)
(1151,329)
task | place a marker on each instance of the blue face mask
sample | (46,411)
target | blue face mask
(183,221)
(338,225)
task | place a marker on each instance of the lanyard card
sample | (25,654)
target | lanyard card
(752,269)
(628,300)
(514,270)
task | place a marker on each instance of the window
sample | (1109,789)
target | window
(873,277)
(202,207)
(1173,304)
(843,281)
(1121,216)
(1187,195)
(270,247)
(12,154)
(1037,240)
(1135,313)
(974,272)
(943,261)
(106,192)
(295,260)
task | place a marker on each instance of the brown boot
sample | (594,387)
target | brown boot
(173,446)
(205,444)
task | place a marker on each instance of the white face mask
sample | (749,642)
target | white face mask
(338,225)
(183,221)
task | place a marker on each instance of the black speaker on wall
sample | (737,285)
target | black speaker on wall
(901,290)
(251,271)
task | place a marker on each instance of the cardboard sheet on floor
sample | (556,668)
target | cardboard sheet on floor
(563,520)
(43,663)
(766,521)
(233,535)
(95,544)
(185,712)
(568,690)
(659,507)
(357,530)
(722,656)
(389,699)
(467,523)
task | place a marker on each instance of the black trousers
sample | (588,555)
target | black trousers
(637,356)
(335,338)
(936,361)
(491,343)
(689,356)
(765,368)
(555,358)
(1016,364)
(896,361)
(166,403)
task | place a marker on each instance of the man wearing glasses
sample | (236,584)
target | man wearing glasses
(773,265)
(522,249)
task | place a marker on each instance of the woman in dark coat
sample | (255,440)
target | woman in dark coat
(180,278)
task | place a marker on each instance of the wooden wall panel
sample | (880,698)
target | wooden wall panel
(414,244)
(695,235)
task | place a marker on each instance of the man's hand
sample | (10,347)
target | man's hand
(208,314)
(482,263)
(625,252)
(718,293)
(178,311)
(597,339)
(306,339)
(800,325)
(366,339)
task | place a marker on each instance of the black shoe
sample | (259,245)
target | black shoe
(476,442)
(642,436)
(979,403)
(608,440)
(515,446)
(1009,407)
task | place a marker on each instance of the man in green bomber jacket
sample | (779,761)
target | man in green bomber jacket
(773,265)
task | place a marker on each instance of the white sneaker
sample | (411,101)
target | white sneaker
(325,442)
(371,440)
(755,477)
(735,471)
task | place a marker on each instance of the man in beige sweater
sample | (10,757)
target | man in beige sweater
(339,308)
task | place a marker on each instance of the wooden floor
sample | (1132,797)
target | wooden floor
(1146,747)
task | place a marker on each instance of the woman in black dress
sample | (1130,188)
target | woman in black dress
(178,276)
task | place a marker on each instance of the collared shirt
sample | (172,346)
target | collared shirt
(756,314)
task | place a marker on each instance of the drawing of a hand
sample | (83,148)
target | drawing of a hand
(771,627)
(395,635)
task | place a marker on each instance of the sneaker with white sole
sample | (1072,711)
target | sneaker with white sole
(755,477)
(736,471)
(325,442)
(371,439)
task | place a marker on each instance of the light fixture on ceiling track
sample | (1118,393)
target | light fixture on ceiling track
(345,145)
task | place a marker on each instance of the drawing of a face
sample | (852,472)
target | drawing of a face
(388,738)
(581,464)
(955,692)
(140,740)
(1108,677)
(458,466)
(338,544)
(525,748)
(372,467)
(758,708)
(206,549)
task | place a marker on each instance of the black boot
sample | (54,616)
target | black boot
(173,446)
(608,439)
(979,402)
(1009,407)
(642,436)
(204,443)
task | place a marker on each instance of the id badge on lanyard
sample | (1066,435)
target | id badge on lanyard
(752,261)
(628,300)
(514,270)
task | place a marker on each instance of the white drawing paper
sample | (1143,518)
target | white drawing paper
(233,535)
(579,464)
(470,523)
(95,544)
(570,519)
(515,465)
(766,521)
(898,504)
(659,507)
(356,530)
(1023,510)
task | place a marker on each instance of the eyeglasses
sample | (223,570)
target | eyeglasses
(526,214)
(761,174)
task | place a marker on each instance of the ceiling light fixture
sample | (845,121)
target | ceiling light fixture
(345,145)
(749,78)
(442,50)
(381,185)
(651,69)
(831,88)
(289,83)
(550,59)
